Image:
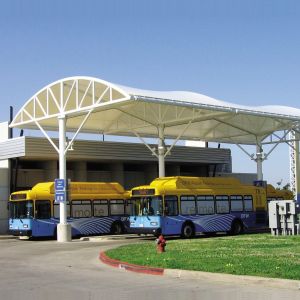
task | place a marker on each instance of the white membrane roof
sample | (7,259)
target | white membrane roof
(102,107)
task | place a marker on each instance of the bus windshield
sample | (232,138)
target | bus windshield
(21,210)
(149,206)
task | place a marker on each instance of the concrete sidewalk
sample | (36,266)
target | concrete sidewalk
(241,279)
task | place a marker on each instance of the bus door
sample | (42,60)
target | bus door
(260,207)
(43,225)
(171,223)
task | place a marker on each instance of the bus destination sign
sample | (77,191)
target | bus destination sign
(143,192)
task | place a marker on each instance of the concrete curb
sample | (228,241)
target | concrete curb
(7,237)
(129,267)
(110,237)
(212,277)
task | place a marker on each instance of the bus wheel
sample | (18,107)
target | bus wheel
(116,228)
(236,228)
(55,234)
(187,231)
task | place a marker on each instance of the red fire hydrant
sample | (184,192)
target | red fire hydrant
(161,244)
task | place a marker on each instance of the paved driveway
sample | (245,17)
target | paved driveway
(51,270)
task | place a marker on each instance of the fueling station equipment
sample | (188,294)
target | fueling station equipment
(284,217)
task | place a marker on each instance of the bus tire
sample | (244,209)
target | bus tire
(188,230)
(236,227)
(116,228)
(55,234)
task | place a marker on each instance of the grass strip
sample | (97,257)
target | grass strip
(256,254)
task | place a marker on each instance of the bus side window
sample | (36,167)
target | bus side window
(205,205)
(248,203)
(116,207)
(236,203)
(171,206)
(100,208)
(222,204)
(128,207)
(56,210)
(187,205)
(81,209)
(42,209)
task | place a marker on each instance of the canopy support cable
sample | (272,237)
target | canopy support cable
(178,137)
(146,144)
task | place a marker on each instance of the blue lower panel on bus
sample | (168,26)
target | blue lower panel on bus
(47,227)
(212,223)
(89,226)
(208,223)
(173,224)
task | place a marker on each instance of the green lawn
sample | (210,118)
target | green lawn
(253,254)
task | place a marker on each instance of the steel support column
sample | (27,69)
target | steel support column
(63,229)
(161,152)
(297,167)
(259,160)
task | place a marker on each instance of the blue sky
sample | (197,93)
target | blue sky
(247,52)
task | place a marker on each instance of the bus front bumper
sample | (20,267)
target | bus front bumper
(18,232)
(145,230)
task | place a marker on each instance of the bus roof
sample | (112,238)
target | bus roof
(83,188)
(273,192)
(99,188)
(186,182)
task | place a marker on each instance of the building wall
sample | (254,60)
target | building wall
(4,194)
(34,160)
(4,182)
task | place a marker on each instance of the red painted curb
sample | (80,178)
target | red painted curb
(129,267)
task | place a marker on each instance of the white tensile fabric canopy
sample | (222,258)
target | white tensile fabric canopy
(92,105)
(97,106)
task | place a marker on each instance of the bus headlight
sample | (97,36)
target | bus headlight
(153,223)
(132,223)
(25,225)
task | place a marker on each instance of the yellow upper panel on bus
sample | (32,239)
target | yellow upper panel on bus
(176,183)
(83,188)
(185,182)
(183,185)
(279,194)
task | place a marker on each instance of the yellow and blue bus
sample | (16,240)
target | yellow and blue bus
(92,208)
(189,205)
(275,194)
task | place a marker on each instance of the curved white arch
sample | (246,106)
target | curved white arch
(70,96)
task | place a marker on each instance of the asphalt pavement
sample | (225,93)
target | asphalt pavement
(45,269)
